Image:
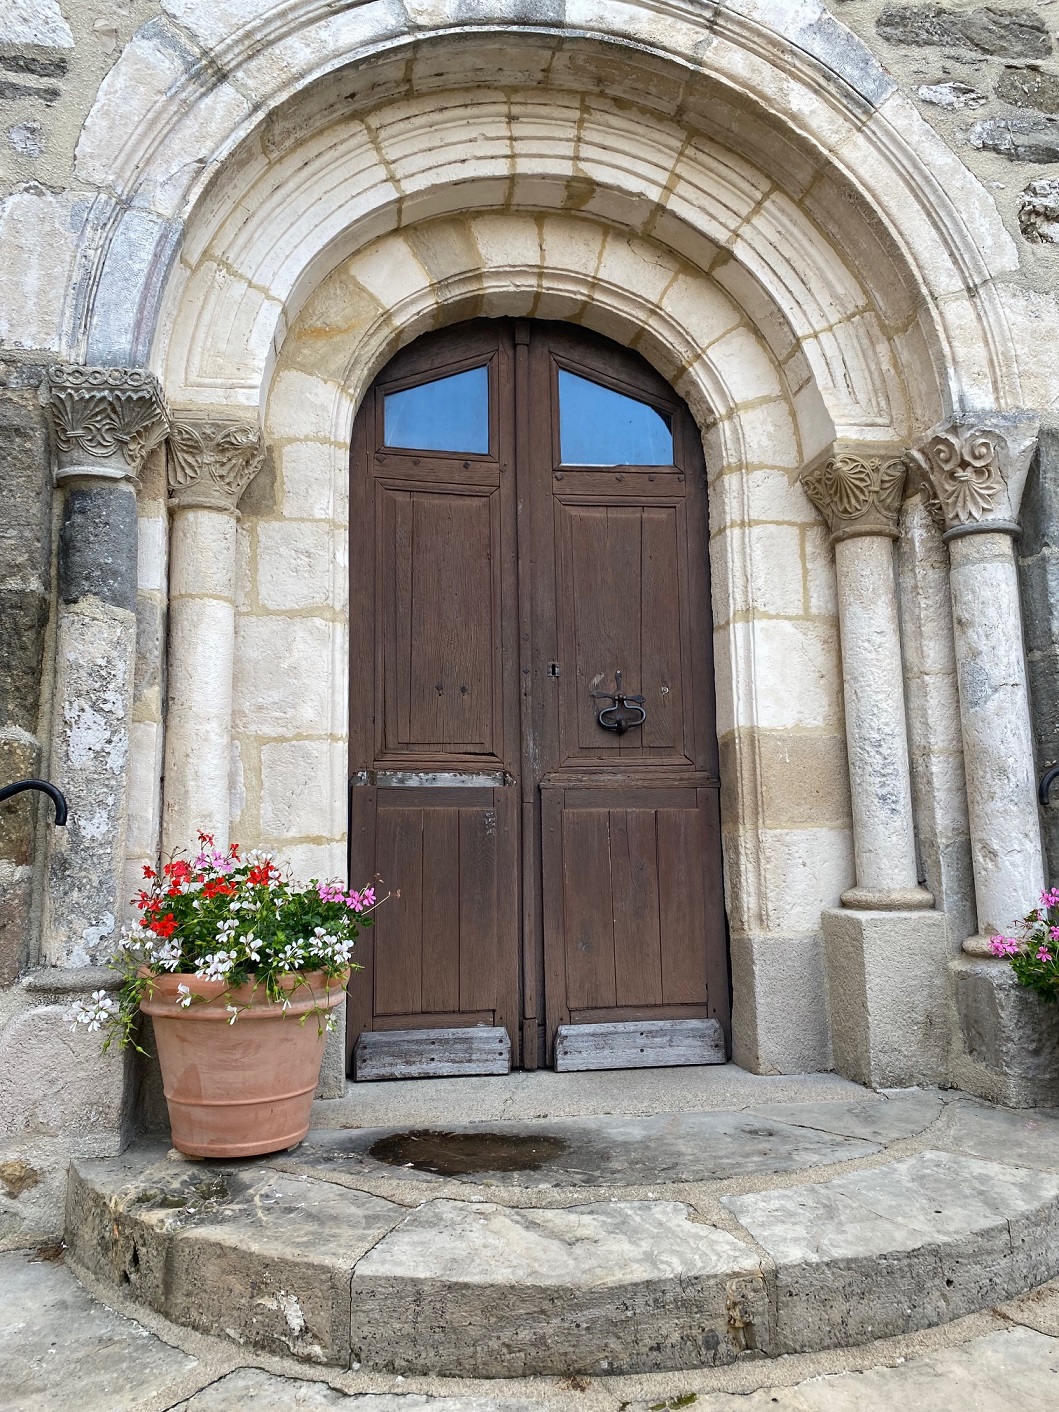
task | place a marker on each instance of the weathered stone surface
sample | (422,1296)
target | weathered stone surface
(35,22)
(859,1256)
(267,1393)
(1019,139)
(1025,1139)
(1029,88)
(263,1256)
(1014,34)
(884,1120)
(888,995)
(1039,211)
(951,95)
(97,545)
(1038,553)
(607,1287)
(1010,1035)
(61,1349)
(612,1151)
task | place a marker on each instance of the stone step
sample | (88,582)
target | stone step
(809,1235)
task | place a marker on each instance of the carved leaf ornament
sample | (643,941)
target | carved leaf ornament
(960,476)
(101,412)
(212,462)
(857,494)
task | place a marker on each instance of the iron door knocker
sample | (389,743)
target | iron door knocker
(624,714)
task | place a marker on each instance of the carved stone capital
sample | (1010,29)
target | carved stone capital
(105,421)
(857,489)
(212,460)
(972,472)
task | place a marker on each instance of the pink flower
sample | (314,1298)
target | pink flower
(1051,897)
(1043,954)
(1003,945)
(1054,933)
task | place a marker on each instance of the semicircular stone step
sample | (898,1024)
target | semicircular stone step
(484,1284)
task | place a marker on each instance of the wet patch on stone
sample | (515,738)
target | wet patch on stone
(582,1152)
(457,1154)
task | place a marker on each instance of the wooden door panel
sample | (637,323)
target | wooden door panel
(439,602)
(622,598)
(435,946)
(632,920)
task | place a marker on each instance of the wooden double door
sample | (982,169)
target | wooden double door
(533,748)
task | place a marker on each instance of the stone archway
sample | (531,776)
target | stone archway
(779,184)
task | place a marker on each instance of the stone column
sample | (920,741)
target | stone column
(859,495)
(885,947)
(973,474)
(105,422)
(211,462)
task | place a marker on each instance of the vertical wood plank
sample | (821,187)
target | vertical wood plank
(663,605)
(478,909)
(588,919)
(637,940)
(399,929)
(400,644)
(362,866)
(682,906)
(440,938)
(716,918)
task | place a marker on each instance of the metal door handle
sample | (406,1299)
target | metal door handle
(625,712)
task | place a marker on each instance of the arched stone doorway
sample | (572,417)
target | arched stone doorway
(533,749)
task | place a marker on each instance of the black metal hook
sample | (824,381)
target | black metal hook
(1047,780)
(626,712)
(46,787)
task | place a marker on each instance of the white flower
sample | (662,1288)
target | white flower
(233,1011)
(168,955)
(93,1013)
(185,995)
(216,965)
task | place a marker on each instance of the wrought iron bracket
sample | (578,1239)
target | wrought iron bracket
(46,787)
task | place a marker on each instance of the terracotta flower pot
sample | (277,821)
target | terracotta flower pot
(235,1090)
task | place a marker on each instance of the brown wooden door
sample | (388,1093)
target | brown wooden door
(528,513)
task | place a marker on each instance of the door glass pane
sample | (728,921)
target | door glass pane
(448,414)
(601,427)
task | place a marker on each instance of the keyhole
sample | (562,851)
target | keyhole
(553,669)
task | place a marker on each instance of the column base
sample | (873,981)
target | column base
(779,1009)
(900,899)
(1007,1041)
(60,1097)
(888,995)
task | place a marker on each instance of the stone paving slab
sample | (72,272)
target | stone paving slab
(524,1096)
(484,1290)
(1026,1137)
(264,1392)
(631,1152)
(899,1115)
(913,1243)
(60,1349)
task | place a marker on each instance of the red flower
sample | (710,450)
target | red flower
(216,888)
(164,926)
(259,876)
(148,871)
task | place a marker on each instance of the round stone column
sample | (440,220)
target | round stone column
(886,947)
(105,421)
(858,492)
(973,474)
(211,462)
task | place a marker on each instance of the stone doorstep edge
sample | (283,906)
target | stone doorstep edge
(297,1306)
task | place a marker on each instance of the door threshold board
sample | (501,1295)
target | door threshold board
(431,1054)
(639,1044)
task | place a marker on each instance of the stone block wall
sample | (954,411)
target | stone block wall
(25,603)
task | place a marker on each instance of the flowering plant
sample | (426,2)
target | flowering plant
(223,917)
(1033,948)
